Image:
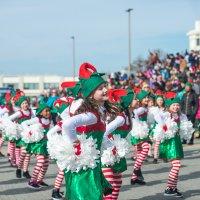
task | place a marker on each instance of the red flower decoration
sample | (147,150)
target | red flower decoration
(77,148)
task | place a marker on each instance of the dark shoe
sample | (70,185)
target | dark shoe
(140,176)
(26,175)
(42,184)
(155,161)
(184,142)
(107,191)
(2,155)
(138,173)
(138,181)
(56,194)
(18,173)
(33,185)
(190,143)
(173,192)
(178,194)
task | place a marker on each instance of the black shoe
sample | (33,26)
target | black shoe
(155,161)
(173,192)
(138,181)
(33,185)
(190,143)
(138,173)
(18,173)
(42,184)
(26,175)
(56,195)
(2,155)
(178,194)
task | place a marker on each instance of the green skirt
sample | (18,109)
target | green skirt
(171,149)
(87,184)
(38,148)
(135,141)
(120,167)
(20,143)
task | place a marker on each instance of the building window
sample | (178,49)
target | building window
(31,86)
(51,85)
(198,41)
(12,85)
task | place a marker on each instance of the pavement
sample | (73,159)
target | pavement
(155,175)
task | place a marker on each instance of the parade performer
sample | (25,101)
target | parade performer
(35,131)
(121,126)
(140,137)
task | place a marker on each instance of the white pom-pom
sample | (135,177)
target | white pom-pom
(186,129)
(117,149)
(11,129)
(151,113)
(64,153)
(33,133)
(140,129)
(171,129)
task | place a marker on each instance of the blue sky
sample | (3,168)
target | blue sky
(35,34)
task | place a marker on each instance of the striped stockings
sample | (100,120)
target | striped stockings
(24,160)
(17,154)
(11,150)
(156,149)
(142,152)
(43,169)
(38,167)
(115,180)
(59,180)
(173,175)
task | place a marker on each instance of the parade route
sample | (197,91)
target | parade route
(155,175)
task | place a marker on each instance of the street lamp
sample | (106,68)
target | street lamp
(129,40)
(74,60)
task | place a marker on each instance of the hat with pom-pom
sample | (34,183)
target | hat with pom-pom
(86,70)
(91,84)
(170,98)
(142,94)
(41,107)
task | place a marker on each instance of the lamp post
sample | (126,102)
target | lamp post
(129,40)
(74,60)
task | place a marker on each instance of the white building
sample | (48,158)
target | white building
(33,85)
(194,37)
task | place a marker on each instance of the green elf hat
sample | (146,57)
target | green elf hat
(21,100)
(91,84)
(170,98)
(142,94)
(126,100)
(41,107)
(62,103)
(86,70)
(72,88)
(74,91)
(188,84)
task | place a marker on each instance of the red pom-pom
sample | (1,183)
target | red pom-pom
(85,70)
(114,95)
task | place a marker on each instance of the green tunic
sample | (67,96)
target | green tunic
(172,149)
(88,184)
(134,140)
(39,148)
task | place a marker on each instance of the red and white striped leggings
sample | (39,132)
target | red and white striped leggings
(24,160)
(115,179)
(40,169)
(142,152)
(173,174)
(156,149)
(59,180)
(11,151)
